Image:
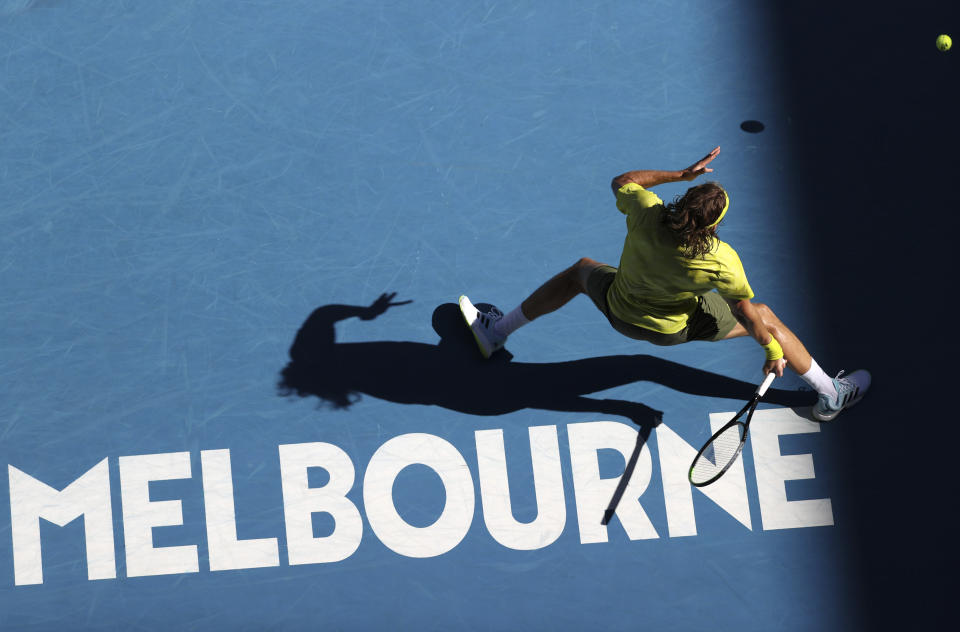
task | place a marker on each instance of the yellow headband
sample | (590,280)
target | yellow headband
(723,212)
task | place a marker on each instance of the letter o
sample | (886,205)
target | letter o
(457,516)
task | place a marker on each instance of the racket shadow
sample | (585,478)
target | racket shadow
(642,437)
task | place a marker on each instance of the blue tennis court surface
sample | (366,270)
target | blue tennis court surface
(237,393)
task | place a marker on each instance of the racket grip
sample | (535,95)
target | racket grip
(767,381)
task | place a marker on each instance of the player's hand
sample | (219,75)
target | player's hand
(380,305)
(700,167)
(775,366)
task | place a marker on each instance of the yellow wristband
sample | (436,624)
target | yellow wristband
(773,349)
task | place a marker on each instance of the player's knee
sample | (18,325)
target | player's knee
(580,273)
(769,317)
(584,262)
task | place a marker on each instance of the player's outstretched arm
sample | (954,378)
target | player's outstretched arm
(651,178)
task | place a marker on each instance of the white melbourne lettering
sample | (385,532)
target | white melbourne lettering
(729,492)
(593,493)
(141,515)
(547,485)
(89,496)
(773,469)
(454,522)
(226,551)
(300,501)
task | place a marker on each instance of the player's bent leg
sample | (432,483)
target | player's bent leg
(491,328)
(559,290)
(834,394)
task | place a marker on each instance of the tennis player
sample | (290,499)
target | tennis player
(677,282)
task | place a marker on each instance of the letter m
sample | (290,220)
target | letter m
(88,496)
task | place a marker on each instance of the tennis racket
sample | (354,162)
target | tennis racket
(722,449)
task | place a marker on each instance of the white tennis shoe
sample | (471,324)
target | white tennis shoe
(482,326)
(850,390)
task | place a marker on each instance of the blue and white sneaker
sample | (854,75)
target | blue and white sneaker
(481,324)
(850,390)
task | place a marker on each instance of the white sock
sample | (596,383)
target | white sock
(511,322)
(818,380)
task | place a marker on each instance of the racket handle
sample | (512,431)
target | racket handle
(767,381)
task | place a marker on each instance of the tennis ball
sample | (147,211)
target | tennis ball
(944,42)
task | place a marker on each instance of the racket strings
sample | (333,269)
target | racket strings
(718,454)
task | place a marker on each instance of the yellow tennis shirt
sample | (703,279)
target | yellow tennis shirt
(656,286)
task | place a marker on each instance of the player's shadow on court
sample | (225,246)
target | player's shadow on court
(452,374)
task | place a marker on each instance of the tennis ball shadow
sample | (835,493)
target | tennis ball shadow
(453,375)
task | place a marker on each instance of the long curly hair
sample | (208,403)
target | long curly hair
(322,381)
(689,217)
